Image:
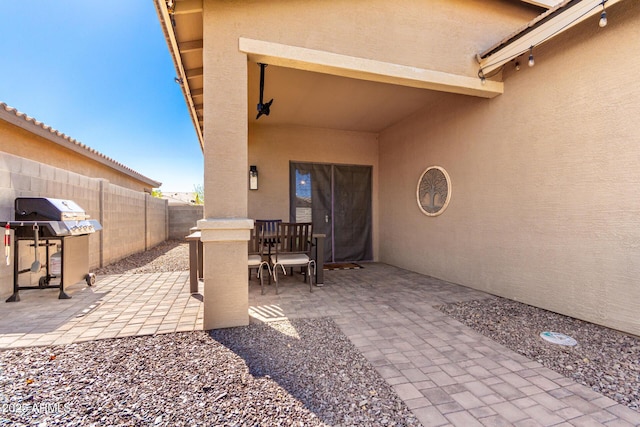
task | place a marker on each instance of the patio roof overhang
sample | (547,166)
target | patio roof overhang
(182,23)
(185,44)
(374,94)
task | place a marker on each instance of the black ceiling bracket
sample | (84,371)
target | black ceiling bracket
(262,107)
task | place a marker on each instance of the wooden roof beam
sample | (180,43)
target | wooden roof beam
(190,46)
(194,72)
(183,7)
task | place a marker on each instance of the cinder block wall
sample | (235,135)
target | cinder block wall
(124,218)
(121,211)
(182,218)
(157,221)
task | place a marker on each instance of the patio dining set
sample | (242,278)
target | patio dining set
(273,248)
(276,246)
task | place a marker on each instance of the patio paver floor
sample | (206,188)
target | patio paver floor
(446,373)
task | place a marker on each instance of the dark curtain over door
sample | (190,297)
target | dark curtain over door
(352,213)
(337,200)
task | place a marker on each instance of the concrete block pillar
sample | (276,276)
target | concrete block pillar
(225,228)
(226,291)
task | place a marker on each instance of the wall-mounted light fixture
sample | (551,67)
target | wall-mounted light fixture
(253,177)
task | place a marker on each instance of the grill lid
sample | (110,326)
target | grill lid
(48,209)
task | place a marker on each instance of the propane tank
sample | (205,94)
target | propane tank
(56,263)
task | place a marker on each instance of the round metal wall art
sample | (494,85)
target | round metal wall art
(434,191)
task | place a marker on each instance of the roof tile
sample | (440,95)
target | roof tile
(108,160)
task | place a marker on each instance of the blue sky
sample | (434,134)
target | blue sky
(101,72)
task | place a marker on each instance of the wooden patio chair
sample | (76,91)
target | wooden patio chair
(270,230)
(257,258)
(270,226)
(292,248)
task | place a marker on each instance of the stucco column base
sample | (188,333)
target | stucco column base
(226,295)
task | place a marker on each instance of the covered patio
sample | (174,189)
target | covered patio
(402,88)
(446,373)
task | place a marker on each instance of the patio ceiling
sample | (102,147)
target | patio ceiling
(356,101)
(329,90)
(313,99)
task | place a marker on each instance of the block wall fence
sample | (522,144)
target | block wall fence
(182,218)
(132,221)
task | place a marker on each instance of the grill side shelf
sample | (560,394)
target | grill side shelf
(24,229)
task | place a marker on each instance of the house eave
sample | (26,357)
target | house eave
(31,125)
(183,79)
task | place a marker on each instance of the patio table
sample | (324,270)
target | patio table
(195,259)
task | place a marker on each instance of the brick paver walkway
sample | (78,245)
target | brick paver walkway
(448,374)
(116,306)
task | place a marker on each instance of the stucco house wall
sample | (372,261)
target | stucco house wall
(545,179)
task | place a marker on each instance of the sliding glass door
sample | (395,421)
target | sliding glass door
(337,200)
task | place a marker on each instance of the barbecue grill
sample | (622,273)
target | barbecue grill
(44,220)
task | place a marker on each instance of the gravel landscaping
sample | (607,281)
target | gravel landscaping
(171,255)
(298,373)
(605,360)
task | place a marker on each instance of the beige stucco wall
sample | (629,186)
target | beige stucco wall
(411,32)
(271,148)
(545,179)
